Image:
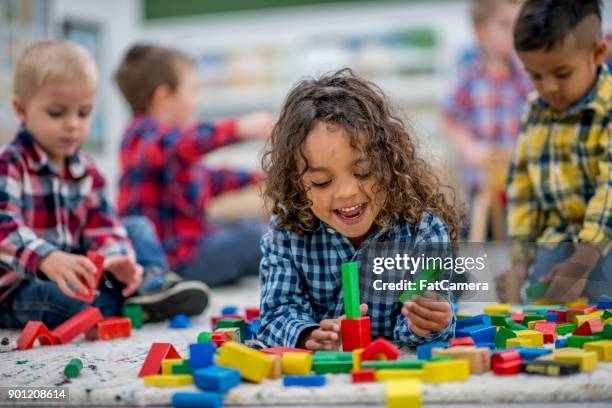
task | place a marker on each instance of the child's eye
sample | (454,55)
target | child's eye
(55,114)
(321,185)
(563,75)
(363,176)
(84,113)
(535,77)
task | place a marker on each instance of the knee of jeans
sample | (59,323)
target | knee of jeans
(137,224)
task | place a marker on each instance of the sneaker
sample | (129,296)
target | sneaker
(163,294)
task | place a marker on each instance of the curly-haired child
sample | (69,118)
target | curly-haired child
(343,173)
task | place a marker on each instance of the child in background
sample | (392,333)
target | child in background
(53,207)
(342,174)
(163,176)
(482,115)
(559,186)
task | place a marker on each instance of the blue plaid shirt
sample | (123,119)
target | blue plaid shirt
(302,283)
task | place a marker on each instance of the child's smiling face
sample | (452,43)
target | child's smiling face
(339,182)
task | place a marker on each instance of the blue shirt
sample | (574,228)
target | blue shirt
(301,281)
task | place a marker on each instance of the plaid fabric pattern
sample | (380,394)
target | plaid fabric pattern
(490,107)
(163,178)
(301,281)
(41,211)
(560,181)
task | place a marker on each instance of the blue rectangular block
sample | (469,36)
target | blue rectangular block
(216,378)
(199,399)
(424,350)
(303,380)
(602,305)
(561,343)
(552,317)
(254,328)
(531,353)
(480,333)
(201,355)
(478,320)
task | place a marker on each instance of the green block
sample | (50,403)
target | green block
(350,287)
(428,275)
(566,328)
(607,314)
(134,313)
(230,322)
(441,358)
(512,325)
(181,368)
(332,367)
(500,320)
(393,364)
(608,331)
(204,337)
(531,318)
(502,336)
(536,291)
(73,368)
(332,356)
(578,341)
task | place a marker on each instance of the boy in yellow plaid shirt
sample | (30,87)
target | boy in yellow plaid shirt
(560,181)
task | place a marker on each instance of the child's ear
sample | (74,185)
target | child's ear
(600,50)
(19,108)
(160,94)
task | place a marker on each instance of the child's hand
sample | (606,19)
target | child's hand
(504,286)
(64,268)
(327,336)
(256,125)
(567,280)
(427,313)
(126,270)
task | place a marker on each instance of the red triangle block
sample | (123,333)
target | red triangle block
(157,353)
(589,328)
(35,330)
(98,261)
(380,346)
(77,324)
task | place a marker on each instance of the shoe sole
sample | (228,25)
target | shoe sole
(190,298)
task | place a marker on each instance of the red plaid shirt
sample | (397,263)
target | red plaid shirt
(41,211)
(163,178)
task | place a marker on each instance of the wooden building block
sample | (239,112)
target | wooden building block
(296,363)
(586,359)
(98,261)
(393,364)
(497,309)
(110,328)
(201,355)
(446,371)
(363,375)
(167,364)
(583,318)
(479,358)
(216,379)
(461,341)
(405,393)
(252,364)
(350,288)
(134,313)
(520,342)
(577,311)
(277,367)
(77,324)
(603,348)
(380,347)
(357,359)
(33,331)
(589,327)
(160,380)
(548,330)
(502,336)
(536,337)
(282,350)
(387,374)
(356,333)
(157,353)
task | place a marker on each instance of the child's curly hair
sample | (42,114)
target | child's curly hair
(358,106)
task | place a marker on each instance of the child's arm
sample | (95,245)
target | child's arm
(471,151)
(285,310)
(226,180)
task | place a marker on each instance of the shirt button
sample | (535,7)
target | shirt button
(331,231)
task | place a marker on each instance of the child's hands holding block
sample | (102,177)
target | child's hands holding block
(64,269)
(427,313)
(327,335)
(126,270)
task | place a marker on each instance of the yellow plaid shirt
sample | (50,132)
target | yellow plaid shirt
(560,180)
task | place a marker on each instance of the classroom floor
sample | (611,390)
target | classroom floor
(109,376)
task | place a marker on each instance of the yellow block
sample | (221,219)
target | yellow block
(603,348)
(252,364)
(276,371)
(167,365)
(583,301)
(519,342)
(386,374)
(357,359)
(405,393)
(536,337)
(161,380)
(583,318)
(532,323)
(296,363)
(586,359)
(496,309)
(479,358)
(607,321)
(446,371)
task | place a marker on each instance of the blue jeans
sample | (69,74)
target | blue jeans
(226,255)
(599,282)
(42,300)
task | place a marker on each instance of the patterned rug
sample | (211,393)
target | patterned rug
(110,373)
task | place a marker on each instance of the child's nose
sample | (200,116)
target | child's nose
(71,121)
(550,85)
(347,189)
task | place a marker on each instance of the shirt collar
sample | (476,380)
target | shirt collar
(37,159)
(597,98)
(379,234)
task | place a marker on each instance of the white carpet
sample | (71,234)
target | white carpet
(109,375)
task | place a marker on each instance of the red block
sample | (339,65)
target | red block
(363,375)
(380,346)
(214,319)
(77,324)
(110,328)
(589,328)
(517,317)
(251,313)
(35,330)
(461,341)
(157,353)
(505,356)
(98,261)
(561,315)
(218,338)
(507,368)
(356,333)
(548,329)
(282,350)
